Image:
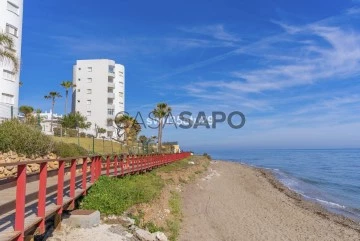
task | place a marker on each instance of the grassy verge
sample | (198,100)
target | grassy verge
(114,196)
(152,199)
(100,146)
(173,224)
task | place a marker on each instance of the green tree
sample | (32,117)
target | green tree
(101,130)
(67,85)
(130,126)
(75,120)
(52,96)
(143,139)
(27,111)
(7,51)
(161,111)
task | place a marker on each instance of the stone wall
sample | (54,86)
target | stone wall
(12,157)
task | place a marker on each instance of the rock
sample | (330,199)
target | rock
(9,168)
(126,221)
(118,229)
(53,165)
(191,163)
(144,235)
(83,219)
(160,236)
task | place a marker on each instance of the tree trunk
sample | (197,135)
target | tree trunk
(159,135)
(66,100)
(52,116)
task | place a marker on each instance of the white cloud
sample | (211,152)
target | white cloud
(214,31)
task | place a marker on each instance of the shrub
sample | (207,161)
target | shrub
(72,132)
(63,149)
(57,131)
(114,196)
(82,134)
(23,139)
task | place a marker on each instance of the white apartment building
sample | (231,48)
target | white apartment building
(11,17)
(99,93)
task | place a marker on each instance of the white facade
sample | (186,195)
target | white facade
(99,93)
(45,121)
(11,15)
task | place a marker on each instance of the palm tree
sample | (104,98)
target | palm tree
(7,51)
(130,125)
(27,111)
(52,96)
(67,85)
(161,111)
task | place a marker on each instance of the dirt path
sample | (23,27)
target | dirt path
(235,202)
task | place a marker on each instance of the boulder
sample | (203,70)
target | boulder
(160,236)
(144,235)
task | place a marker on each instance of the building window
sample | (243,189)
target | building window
(89,80)
(89,69)
(110,101)
(111,69)
(88,91)
(110,111)
(79,79)
(78,101)
(11,30)
(78,90)
(88,102)
(121,94)
(7,98)
(8,75)
(88,113)
(12,8)
(79,68)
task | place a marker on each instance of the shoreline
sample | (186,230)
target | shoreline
(302,202)
(236,201)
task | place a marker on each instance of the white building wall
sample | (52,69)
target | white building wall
(11,17)
(99,92)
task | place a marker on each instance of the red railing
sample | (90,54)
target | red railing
(90,169)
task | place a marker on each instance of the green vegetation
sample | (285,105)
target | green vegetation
(123,194)
(100,146)
(52,96)
(67,85)
(131,128)
(207,156)
(175,209)
(161,112)
(23,139)
(176,166)
(68,149)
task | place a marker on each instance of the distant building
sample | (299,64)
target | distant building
(99,93)
(11,17)
(45,121)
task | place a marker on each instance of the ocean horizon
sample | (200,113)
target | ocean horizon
(330,177)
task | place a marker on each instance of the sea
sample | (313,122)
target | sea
(329,177)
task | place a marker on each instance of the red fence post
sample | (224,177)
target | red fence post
(84,175)
(72,183)
(115,165)
(20,200)
(42,196)
(60,194)
(108,166)
(99,170)
(122,165)
(92,169)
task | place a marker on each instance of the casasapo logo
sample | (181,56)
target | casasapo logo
(185,120)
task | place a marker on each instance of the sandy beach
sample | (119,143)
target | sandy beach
(237,202)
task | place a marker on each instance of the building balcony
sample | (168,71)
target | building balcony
(112,74)
(111,84)
(111,95)
(111,106)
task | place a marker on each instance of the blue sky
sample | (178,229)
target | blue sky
(292,67)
